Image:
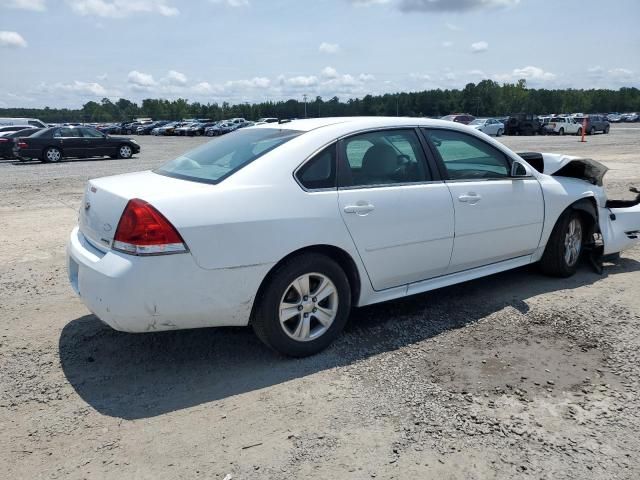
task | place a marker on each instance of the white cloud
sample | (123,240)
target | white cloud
(453,5)
(141,81)
(420,76)
(12,39)
(477,73)
(447,44)
(329,72)
(329,48)
(452,27)
(535,74)
(300,81)
(121,8)
(175,78)
(233,3)
(479,47)
(256,82)
(33,5)
(366,77)
(367,3)
(83,88)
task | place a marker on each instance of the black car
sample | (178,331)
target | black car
(146,129)
(523,124)
(8,141)
(54,144)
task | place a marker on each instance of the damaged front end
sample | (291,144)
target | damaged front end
(618,220)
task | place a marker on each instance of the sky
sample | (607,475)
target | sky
(64,53)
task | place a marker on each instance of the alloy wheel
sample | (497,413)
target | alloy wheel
(308,307)
(573,242)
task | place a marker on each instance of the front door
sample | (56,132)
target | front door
(71,141)
(401,220)
(96,143)
(497,217)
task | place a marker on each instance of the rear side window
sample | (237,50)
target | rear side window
(383,158)
(218,159)
(66,132)
(468,158)
(320,171)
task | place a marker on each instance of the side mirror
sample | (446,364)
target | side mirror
(518,170)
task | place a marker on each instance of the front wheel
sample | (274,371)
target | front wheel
(125,151)
(499,133)
(592,131)
(606,129)
(579,132)
(304,306)
(560,258)
(561,132)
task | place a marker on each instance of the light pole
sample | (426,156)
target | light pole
(305,105)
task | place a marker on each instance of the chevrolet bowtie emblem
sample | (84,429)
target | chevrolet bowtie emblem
(87,206)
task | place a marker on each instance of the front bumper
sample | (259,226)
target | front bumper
(165,292)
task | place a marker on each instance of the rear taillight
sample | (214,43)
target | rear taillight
(4,140)
(22,144)
(143,230)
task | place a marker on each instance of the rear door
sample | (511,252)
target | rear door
(497,217)
(398,213)
(71,141)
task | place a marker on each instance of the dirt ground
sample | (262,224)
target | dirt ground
(513,376)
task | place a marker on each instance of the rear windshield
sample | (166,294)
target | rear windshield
(220,158)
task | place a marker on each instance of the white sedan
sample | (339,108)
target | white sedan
(287,226)
(490,126)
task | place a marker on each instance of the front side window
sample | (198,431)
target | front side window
(216,160)
(320,171)
(383,158)
(466,157)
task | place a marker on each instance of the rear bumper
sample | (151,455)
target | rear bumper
(620,228)
(167,292)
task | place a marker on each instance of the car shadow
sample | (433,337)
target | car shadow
(134,376)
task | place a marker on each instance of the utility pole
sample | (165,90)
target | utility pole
(305,105)
(397,105)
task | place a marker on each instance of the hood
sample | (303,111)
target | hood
(569,166)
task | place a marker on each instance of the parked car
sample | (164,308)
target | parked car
(294,262)
(463,118)
(595,123)
(169,128)
(490,126)
(267,120)
(629,117)
(523,124)
(198,129)
(614,117)
(183,130)
(221,128)
(563,126)
(12,128)
(146,129)
(8,141)
(56,143)
(33,122)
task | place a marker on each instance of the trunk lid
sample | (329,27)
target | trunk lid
(105,199)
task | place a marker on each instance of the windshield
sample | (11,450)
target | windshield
(218,159)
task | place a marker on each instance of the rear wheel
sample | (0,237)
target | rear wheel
(579,132)
(304,306)
(52,155)
(592,131)
(563,250)
(499,133)
(606,129)
(125,151)
(561,131)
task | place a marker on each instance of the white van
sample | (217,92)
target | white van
(22,121)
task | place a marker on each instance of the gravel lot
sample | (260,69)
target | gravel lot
(513,376)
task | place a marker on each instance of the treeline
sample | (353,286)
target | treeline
(487,98)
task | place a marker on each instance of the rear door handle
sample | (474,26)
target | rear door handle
(470,197)
(359,209)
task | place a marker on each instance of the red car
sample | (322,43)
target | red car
(464,118)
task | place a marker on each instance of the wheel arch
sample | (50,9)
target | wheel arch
(44,149)
(588,210)
(340,256)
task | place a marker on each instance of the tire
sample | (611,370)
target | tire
(563,250)
(579,132)
(52,155)
(302,334)
(499,133)
(561,131)
(592,131)
(606,130)
(125,151)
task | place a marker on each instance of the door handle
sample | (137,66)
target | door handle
(470,197)
(359,209)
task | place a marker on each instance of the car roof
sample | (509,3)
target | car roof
(357,123)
